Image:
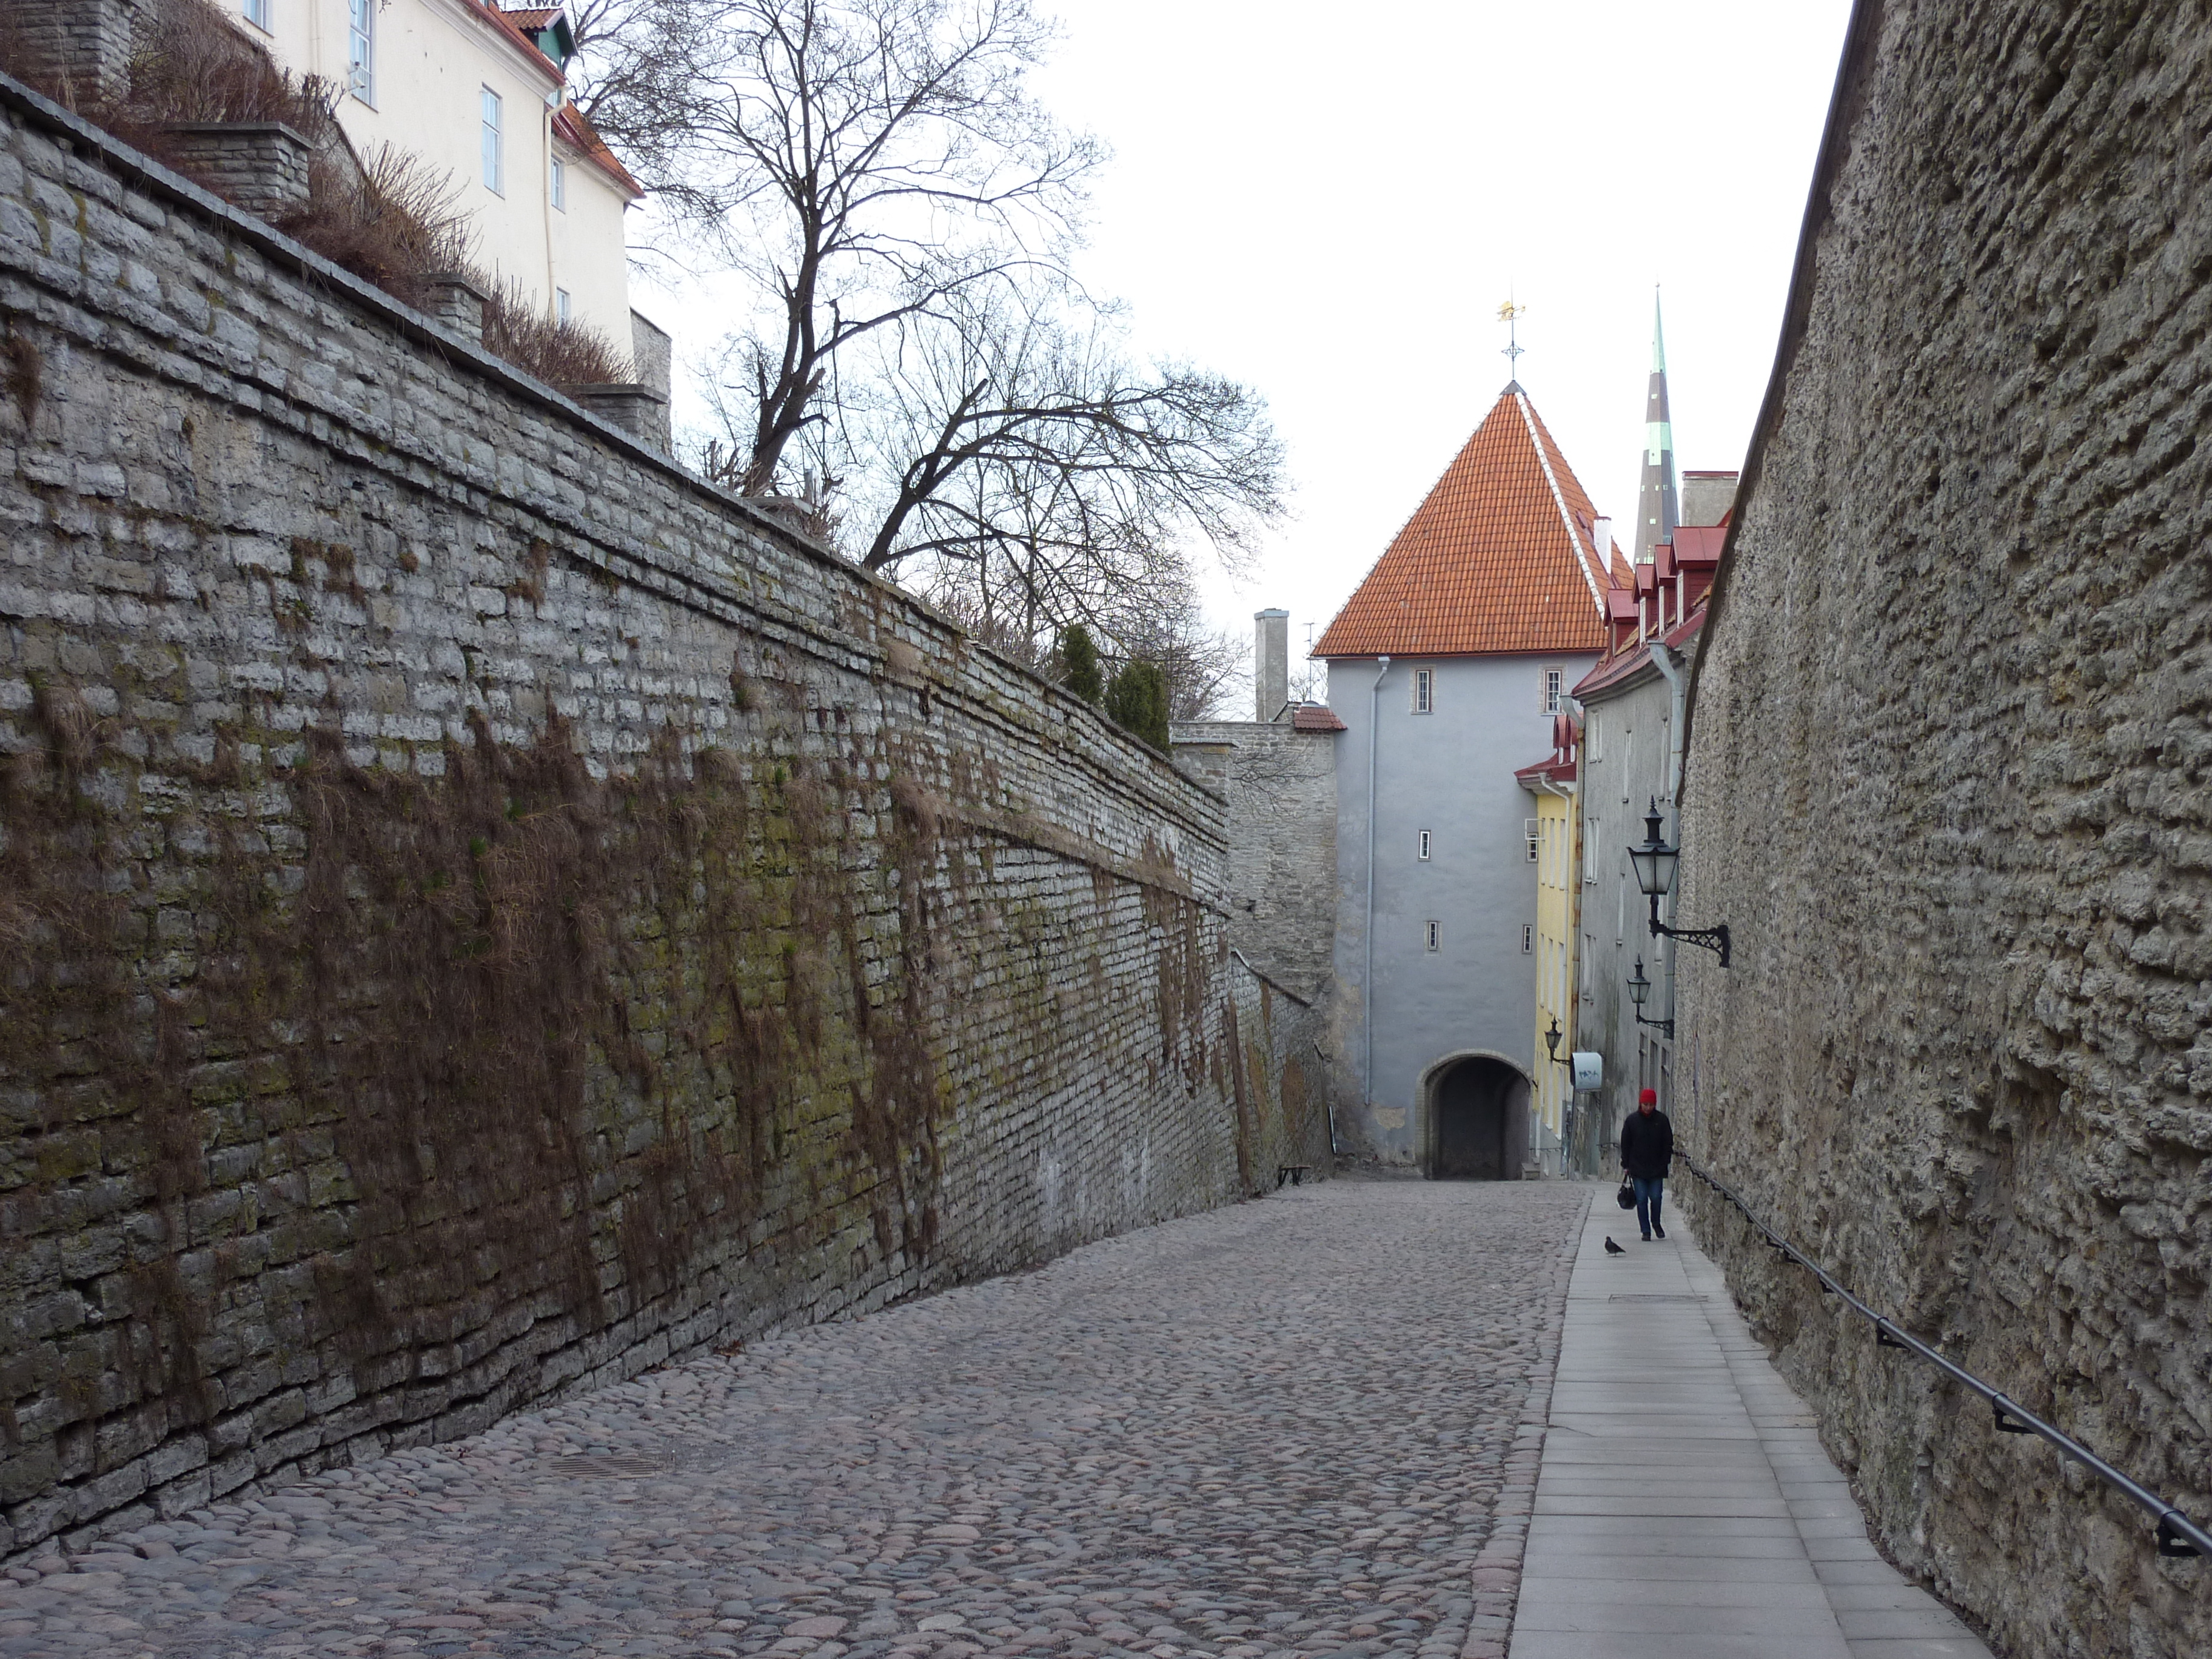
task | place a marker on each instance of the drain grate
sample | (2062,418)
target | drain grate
(1653,1296)
(612,1468)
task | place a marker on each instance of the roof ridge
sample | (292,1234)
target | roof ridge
(1559,500)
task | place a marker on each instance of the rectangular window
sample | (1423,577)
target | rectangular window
(361,50)
(1529,828)
(1527,937)
(1435,935)
(560,186)
(1594,736)
(561,308)
(1424,852)
(495,158)
(1592,835)
(1555,686)
(1425,691)
(257,13)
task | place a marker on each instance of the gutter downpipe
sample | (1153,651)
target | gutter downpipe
(1367,980)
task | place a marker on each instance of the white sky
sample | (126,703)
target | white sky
(1328,202)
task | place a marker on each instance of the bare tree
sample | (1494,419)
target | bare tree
(861,161)
(877,173)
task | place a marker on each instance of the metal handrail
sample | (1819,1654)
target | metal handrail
(2178,1536)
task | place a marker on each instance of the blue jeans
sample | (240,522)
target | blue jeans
(1650,1193)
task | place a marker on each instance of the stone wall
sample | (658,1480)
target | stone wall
(1950,783)
(1280,786)
(483,912)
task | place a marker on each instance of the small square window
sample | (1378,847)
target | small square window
(1531,829)
(1424,690)
(1527,938)
(1424,852)
(1555,687)
(1435,935)
(559,188)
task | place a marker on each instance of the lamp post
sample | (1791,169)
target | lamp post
(1654,863)
(1640,987)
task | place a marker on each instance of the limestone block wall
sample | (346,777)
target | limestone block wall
(1280,785)
(1950,783)
(483,912)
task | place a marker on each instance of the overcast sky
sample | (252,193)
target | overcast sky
(1329,203)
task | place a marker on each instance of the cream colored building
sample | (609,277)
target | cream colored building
(1552,841)
(480,94)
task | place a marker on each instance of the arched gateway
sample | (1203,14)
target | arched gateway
(1475,1118)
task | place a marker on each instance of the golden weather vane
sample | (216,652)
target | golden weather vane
(1510,314)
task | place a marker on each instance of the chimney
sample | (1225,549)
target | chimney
(1601,539)
(1707,497)
(1271,664)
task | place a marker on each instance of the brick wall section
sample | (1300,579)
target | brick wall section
(1950,782)
(485,913)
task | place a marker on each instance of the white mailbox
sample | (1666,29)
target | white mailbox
(1589,1071)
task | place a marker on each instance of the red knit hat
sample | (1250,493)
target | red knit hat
(1648,1097)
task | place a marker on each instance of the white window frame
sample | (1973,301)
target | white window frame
(361,50)
(564,305)
(1423,853)
(557,186)
(493,139)
(1534,829)
(1424,690)
(1527,937)
(1435,935)
(257,13)
(1554,690)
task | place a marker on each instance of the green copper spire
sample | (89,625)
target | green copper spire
(1657,509)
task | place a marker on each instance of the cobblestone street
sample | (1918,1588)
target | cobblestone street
(1293,1426)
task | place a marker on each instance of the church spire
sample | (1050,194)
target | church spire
(1657,512)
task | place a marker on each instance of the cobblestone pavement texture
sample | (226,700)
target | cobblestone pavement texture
(1298,1426)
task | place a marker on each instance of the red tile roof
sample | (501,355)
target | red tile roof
(570,127)
(1315,717)
(530,18)
(1498,558)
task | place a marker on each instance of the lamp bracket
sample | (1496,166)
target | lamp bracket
(1712,938)
(1664,1026)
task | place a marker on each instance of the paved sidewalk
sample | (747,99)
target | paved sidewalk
(1685,1509)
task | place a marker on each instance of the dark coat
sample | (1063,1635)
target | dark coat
(1647,1145)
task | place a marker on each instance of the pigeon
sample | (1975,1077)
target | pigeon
(1612,1249)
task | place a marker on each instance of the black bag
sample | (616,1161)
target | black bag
(1626,1196)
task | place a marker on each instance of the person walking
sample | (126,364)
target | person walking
(1646,1152)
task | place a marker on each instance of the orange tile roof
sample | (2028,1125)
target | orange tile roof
(1498,558)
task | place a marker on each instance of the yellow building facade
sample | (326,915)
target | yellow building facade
(1556,854)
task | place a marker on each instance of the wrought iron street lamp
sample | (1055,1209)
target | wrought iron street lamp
(1552,1042)
(1640,987)
(1654,863)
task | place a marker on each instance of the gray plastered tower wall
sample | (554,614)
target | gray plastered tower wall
(1950,784)
(1449,771)
(488,912)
